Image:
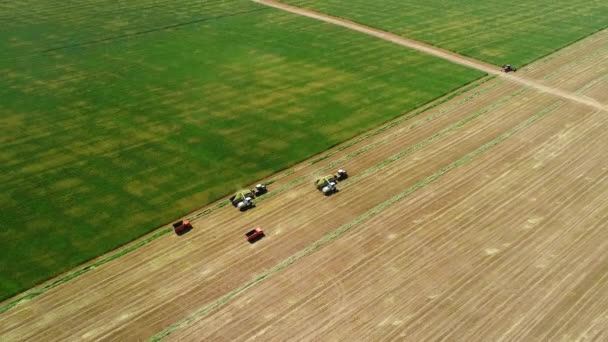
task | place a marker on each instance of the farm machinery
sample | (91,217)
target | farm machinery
(341,175)
(245,199)
(508,68)
(328,184)
(260,189)
(182,227)
(254,235)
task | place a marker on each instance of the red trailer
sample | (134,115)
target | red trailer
(254,235)
(182,227)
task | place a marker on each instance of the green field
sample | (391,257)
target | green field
(516,32)
(120,117)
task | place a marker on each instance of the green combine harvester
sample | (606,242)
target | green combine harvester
(245,199)
(328,184)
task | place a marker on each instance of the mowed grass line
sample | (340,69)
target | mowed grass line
(518,32)
(104,142)
(164,231)
(328,238)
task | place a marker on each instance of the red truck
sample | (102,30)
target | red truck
(182,227)
(254,235)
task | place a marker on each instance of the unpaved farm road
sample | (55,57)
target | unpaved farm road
(432,50)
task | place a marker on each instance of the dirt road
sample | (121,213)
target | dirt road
(435,51)
(483,218)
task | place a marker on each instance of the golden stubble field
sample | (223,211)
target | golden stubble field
(483,218)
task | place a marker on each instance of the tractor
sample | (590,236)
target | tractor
(243,200)
(259,190)
(508,68)
(341,175)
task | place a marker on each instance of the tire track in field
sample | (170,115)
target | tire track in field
(432,50)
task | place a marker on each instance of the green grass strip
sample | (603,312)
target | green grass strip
(39,291)
(325,240)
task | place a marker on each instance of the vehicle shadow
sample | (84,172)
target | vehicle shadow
(183,231)
(257,238)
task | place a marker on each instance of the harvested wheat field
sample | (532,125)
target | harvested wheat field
(481,218)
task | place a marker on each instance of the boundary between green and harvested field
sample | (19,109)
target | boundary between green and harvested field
(399,155)
(355,141)
(419,145)
(434,137)
(404,118)
(328,238)
(545,56)
(35,292)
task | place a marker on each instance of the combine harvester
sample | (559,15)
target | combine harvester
(328,184)
(245,199)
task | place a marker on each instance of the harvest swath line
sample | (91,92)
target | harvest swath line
(328,238)
(432,50)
